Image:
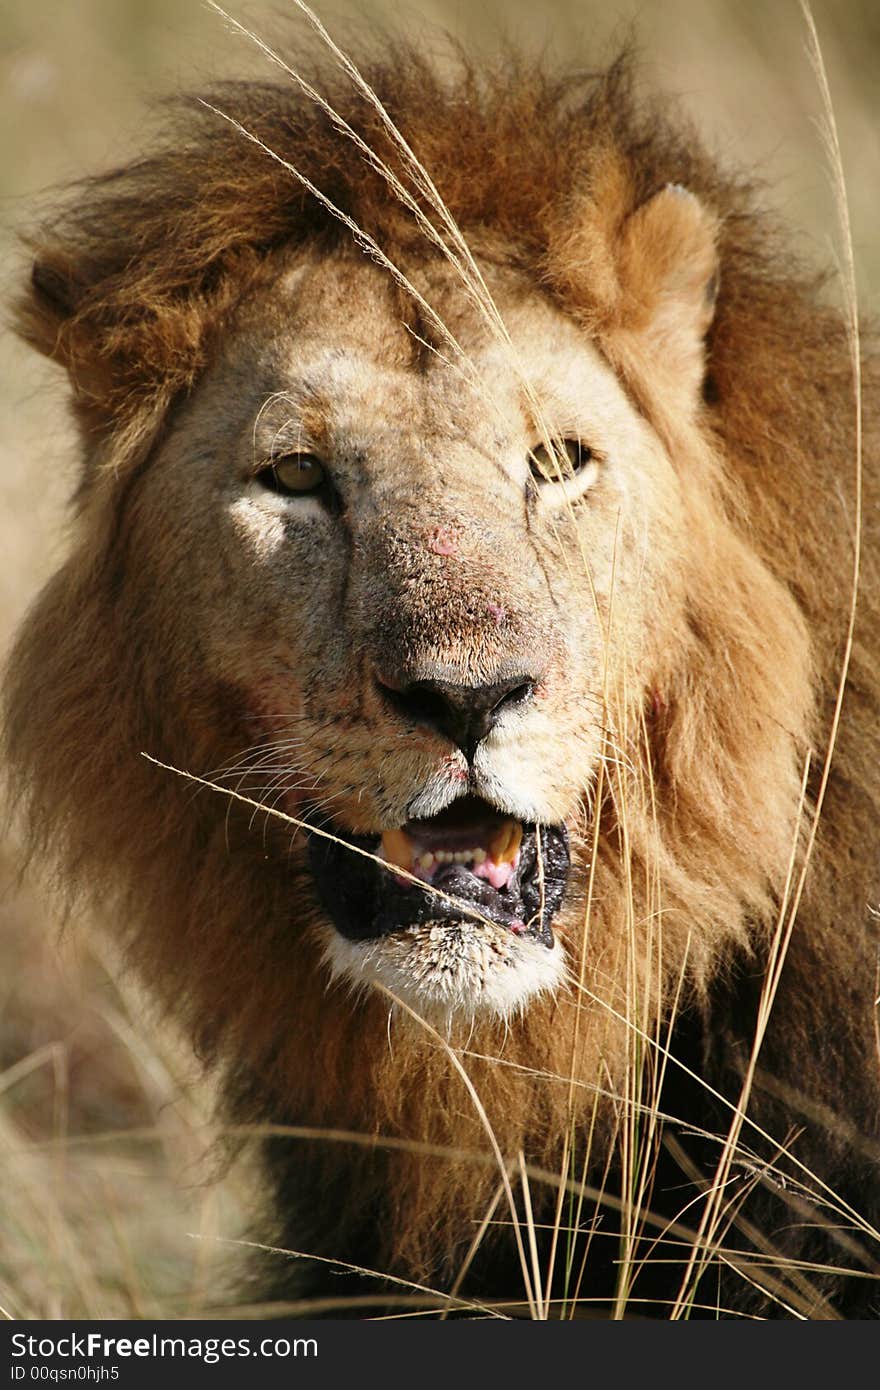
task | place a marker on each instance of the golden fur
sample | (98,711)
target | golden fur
(563,185)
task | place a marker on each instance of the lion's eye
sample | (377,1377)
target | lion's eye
(294,475)
(567,458)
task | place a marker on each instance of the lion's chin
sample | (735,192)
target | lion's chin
(453,915)
(449,971)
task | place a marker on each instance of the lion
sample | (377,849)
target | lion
(435,699)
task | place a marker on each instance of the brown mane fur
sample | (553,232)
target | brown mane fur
(134,287)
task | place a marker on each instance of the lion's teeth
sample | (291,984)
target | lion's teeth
(498,842)
(397,848)
(464,856)
(403,852)
(505,843)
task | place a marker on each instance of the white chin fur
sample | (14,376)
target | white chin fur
(449,971)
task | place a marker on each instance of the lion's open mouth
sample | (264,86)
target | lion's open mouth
(473,862)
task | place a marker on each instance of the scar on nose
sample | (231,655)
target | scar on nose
(443,541)
(497,612)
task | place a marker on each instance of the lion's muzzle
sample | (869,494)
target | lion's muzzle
(463,713)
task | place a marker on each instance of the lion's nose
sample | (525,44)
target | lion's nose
(463,713)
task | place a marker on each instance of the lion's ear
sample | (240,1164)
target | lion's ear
(47,317)
(48,306)
(668,267)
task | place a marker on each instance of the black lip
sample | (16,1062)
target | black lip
(366,901)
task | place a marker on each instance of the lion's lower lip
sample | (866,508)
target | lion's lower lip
(365,900)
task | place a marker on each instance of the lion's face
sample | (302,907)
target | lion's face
(418,569)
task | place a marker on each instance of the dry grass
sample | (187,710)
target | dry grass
(103,1125)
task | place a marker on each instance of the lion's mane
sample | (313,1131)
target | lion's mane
(134,285)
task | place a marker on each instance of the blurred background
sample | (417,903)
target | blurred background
(109,1205)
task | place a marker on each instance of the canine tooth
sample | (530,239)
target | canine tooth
(498,841)
(505,843)
(514,843)
(397,848)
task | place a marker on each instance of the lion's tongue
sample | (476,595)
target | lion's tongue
(489,852)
